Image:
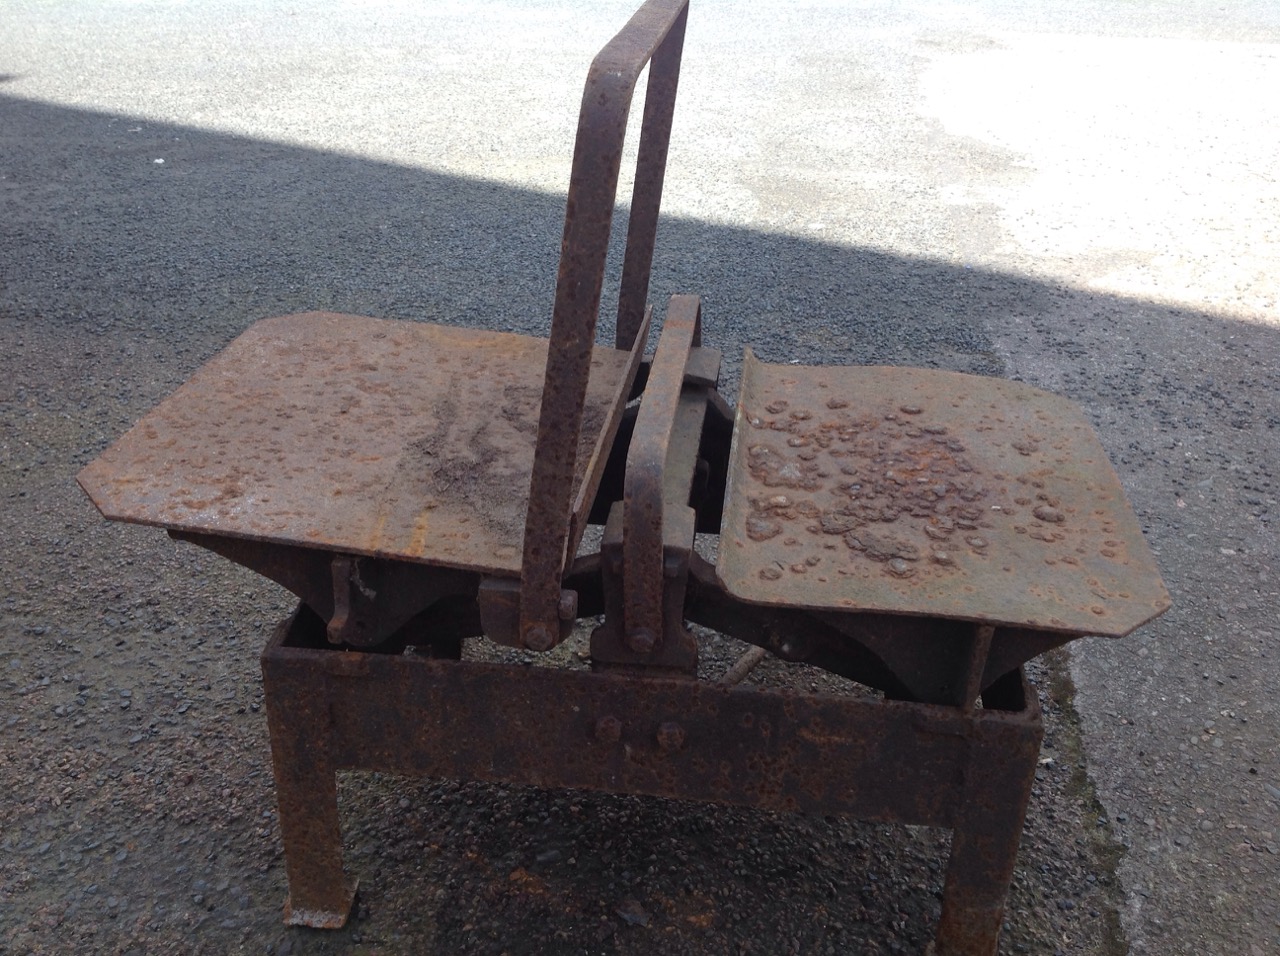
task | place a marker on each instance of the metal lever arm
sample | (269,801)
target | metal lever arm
(655,32)
(646,517)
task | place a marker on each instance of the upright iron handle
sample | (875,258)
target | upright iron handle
(655,33)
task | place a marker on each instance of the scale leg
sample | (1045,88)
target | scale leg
(320,893)
(984,843)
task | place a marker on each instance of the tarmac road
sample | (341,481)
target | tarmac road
(1082,196)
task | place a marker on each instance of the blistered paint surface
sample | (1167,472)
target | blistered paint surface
(928,492)
(367,436)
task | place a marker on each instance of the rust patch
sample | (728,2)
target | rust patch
(394,439)
(927,492)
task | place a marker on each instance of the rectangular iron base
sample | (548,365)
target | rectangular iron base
(880,760)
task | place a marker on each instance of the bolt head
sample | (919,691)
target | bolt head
(538,638)
(642,640)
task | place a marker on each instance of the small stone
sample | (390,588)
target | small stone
(633,913)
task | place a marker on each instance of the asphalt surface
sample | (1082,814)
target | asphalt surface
(1082,196)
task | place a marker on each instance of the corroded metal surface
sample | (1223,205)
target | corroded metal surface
(647,525)
(655,31)
(651,161)
(931,493)
(366,436)
(890,761)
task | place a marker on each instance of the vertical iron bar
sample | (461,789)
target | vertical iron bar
(644,515)
(646,196)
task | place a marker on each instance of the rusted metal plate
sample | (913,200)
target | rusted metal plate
(366,436)
(934,493)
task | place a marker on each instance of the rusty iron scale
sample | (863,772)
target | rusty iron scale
(918,532)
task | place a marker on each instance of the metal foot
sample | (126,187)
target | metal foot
(323,918)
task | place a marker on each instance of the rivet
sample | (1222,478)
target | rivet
(608,730)
(670,736)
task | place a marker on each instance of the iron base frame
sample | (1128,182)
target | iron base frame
(891,761)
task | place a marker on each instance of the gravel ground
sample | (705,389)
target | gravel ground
(868,186)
